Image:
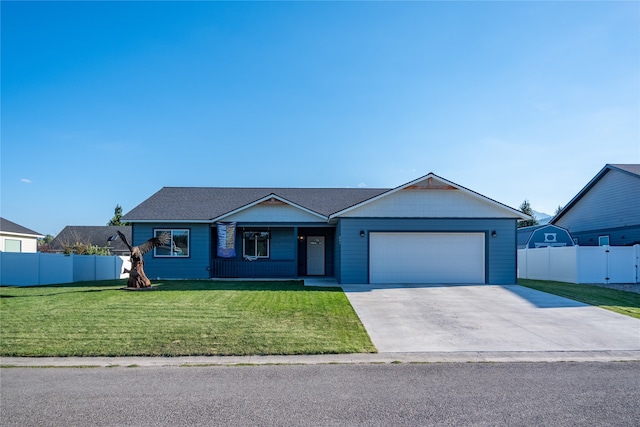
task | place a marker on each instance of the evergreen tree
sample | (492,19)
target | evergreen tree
(525,207)
(117,214)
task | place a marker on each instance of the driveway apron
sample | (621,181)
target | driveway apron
(442,318)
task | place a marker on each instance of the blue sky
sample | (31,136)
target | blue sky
(104,103)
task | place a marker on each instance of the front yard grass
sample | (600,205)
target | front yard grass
(178,318)
(627,303)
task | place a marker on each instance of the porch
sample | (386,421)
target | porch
(281,252)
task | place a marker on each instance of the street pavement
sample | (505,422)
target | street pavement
(442,394)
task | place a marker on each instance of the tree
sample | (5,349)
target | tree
(558,209)
(46,239)
(43,243)
(117,214)
(525,207)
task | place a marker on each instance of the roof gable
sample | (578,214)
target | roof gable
(272,208)
(430,196)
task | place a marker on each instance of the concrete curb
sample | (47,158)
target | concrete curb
(324,359)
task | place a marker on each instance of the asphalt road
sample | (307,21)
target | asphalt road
(447,394)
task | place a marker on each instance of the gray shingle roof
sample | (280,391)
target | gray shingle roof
(12,227)
(207,203)
(92,235)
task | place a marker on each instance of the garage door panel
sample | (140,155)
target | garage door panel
(426,258)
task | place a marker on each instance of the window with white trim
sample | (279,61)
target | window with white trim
(255,244)
(603,240)
(177,246)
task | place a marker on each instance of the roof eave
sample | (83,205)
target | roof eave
(11,233)
(175,221)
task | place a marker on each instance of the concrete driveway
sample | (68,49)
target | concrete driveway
(458,318)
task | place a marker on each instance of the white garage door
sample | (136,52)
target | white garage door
(426,257)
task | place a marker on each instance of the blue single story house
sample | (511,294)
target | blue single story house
(429,230)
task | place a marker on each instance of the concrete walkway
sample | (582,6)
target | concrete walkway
(486,318)
(320,359)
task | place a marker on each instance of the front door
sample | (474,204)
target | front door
(315,255)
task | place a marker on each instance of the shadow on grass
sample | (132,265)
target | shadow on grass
(219,285)
(166,286)
(622,302)
(54,294)
(60,289)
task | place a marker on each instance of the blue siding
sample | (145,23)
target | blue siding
(192,267)
(337,251)
(611,207)
(353,252)
(283,244)
(282,261)
(623,236)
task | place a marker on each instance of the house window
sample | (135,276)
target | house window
(603,240)
(11,245)
(255,244)
(178,245)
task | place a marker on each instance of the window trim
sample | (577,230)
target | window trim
(244,245)
(157,231)
(601,238)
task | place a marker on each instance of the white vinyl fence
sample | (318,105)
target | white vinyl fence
(29,269)
(581,264)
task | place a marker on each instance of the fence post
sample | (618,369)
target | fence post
(637,259)
(548,262)
(38,279)
(607,261)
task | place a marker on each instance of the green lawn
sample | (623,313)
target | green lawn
(622,302)
(178,318)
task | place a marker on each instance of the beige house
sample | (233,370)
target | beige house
(16,238)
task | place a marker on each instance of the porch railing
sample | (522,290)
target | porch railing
(253,269)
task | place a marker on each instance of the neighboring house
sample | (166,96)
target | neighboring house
(16,238)
(542,236)
(426,231)
(101,236)
(607,210)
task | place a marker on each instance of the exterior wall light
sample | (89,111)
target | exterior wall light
(493,233)
(361,233)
